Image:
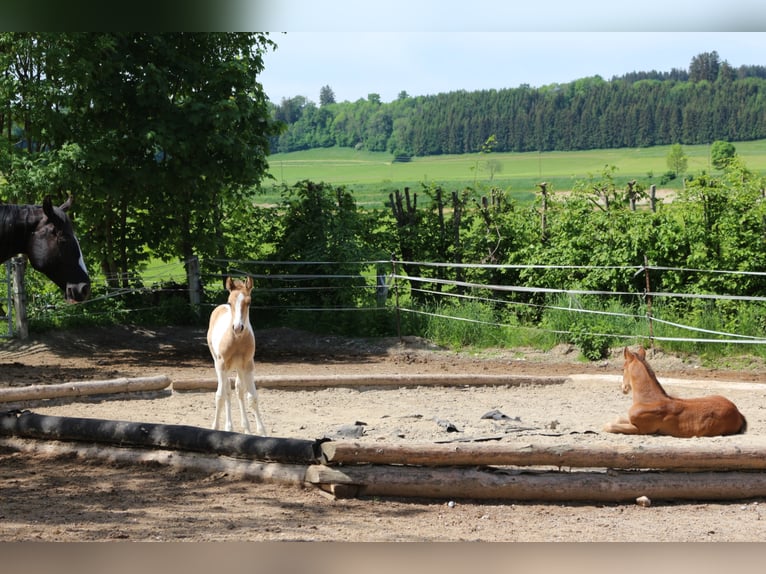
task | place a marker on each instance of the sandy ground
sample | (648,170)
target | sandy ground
(69,499)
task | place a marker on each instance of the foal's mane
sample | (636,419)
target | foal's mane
(650,372)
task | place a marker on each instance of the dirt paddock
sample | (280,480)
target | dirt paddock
(65,498)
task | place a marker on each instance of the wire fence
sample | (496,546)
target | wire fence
(321,287)
(645,296)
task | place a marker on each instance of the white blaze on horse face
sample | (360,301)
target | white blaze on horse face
(239,320)
(81,262)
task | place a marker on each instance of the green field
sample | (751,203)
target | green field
(371,175)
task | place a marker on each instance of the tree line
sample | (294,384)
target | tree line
(709,101)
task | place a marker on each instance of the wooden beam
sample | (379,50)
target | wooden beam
(485,484)
(374,380)
(27,424)
(84,388)
(241,468)
(678,456)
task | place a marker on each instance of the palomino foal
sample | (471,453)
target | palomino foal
(656,412)
(231,341)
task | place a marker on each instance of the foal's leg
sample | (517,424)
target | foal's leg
(621,425)
(222,398)
(249,396)
(240,390)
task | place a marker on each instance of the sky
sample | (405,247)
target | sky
(355,64)
(424,47)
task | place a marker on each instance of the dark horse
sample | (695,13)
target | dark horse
(44,233)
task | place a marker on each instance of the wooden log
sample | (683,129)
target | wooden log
(374,380)
(687,456)
(26,424)
(247,469)
(584,486)
(615,381)
(84,388)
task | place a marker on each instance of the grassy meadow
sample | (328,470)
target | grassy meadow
(372,175)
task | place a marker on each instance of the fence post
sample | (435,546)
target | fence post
(396,298)
(193,280)
(19,265)
(649,302)
(543,216)
(7,312)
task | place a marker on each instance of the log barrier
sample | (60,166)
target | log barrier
(26,424)
(681,457)
(85,388)
(374,380)
(503,471)
(451,483)
(257,471)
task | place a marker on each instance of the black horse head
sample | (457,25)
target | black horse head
(53,249)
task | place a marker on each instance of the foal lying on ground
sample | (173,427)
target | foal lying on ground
(656,412)
(231,341)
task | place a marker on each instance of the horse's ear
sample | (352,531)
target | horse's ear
(51,214)
(249,283)
(626,353)
(641,352)
(67,204)
(48,207)
(229,284)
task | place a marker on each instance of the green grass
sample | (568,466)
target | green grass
(158,271)
(372,175)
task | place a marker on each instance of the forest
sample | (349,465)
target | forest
(710,101)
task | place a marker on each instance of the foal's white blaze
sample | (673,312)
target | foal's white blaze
(240,321)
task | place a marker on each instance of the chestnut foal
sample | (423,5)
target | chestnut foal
(656,412)
(231,341)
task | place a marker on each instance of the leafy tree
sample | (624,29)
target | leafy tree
(290,110)
(159,136)
(677,160)
(494,166)
(320,222)
(704,67)
(722,153)
(326,96)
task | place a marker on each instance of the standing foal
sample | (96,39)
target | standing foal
(231,341)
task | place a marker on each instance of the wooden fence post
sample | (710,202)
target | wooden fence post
(18,266)
(6,308)
(396,298)
(193,280)
(649,303)
(544,190)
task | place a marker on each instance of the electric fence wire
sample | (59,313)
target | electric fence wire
(392,280)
